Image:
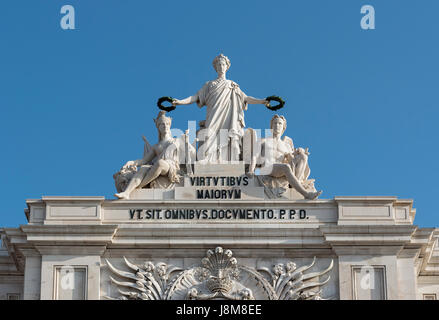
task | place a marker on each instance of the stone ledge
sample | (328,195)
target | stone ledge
(69,234)
(227,169)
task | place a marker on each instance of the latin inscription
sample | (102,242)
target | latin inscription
(219,181)
(235,182)
(218,214)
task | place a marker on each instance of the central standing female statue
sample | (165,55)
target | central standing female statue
(225,103)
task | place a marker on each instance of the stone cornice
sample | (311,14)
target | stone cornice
(70,198)
(95,250)
(366,198)
(248,252)
(274,235)
(14,236)
(14,239)
(207,203)
(69,234)
(367,239)
(428,260)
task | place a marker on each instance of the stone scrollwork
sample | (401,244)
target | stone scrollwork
(219,276)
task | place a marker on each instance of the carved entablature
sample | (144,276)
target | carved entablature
(218,276)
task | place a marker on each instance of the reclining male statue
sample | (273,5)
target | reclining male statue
(282,165)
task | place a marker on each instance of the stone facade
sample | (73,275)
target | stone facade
(69,245)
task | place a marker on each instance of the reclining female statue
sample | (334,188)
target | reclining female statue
(161,160)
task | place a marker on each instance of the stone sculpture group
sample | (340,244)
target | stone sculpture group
(222,138)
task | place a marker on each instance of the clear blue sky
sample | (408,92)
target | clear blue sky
(74,104)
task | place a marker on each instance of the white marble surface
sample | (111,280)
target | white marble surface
(373,231)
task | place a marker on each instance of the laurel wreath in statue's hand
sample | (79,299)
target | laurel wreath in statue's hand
(172,107)
(275,98)
(165,99)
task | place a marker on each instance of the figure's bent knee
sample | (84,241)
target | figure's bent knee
(301,157)
(161,163)
(284,166)
(300,152)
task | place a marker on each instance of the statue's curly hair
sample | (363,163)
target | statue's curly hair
(161,117)
(218,59)
(276,116)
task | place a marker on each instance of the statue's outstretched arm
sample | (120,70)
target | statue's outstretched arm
(252,100)
(188,100)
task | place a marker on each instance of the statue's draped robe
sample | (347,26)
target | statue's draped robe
(173,153)
(225,104)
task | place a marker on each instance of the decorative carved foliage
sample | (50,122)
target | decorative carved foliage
(292,283)
(218,277)
(147,282)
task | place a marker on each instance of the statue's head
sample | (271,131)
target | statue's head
(163,123)
(221,63)
(278,124)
